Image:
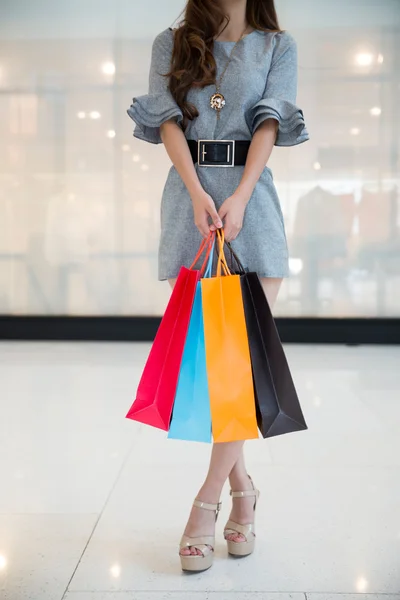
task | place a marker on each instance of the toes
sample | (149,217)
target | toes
(192,551)
(236,537)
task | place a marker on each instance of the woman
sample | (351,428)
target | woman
(227,73)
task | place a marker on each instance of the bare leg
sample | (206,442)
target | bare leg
(223,457)
(202,522)
(242,508)
(227,460)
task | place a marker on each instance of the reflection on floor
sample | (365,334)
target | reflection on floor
(92,505)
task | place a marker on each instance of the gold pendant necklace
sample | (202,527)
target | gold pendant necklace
(217,100)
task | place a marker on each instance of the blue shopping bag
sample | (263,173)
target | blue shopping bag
(191,416)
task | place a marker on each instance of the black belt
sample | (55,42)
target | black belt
(219,153)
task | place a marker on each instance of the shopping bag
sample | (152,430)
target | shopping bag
(230,384)
(277,404)
(191,417)
(157,386)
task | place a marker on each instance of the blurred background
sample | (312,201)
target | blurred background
(80,198)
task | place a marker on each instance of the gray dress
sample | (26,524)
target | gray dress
(260,83)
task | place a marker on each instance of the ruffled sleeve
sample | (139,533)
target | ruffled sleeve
(151,110)
(279,98)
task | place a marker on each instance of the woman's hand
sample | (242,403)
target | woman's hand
(232,213)
(203,208)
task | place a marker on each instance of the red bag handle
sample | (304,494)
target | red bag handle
(206,244)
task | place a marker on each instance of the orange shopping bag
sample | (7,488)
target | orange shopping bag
(230,381)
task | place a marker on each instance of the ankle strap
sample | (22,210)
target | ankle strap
(214,507)
(244,494)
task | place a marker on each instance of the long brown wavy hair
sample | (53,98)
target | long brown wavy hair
(192,62)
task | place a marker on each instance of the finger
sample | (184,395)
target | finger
(235,232)
(228,232)
(223,211)
(203,227)
(216,219)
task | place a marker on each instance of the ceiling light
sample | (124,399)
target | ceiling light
(145,167)
(361,584)
(355,131)
(126,147)
(95,114)
(108,68)
(295,265)
(111,134)
(115,570)
(3,561)
(380,58)
(136,158)
(317,166)
(375,111)
(81,115)
(364,59)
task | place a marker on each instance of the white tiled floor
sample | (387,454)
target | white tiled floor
(92,505)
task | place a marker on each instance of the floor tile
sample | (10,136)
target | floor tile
(359,596)
(38,554)
(319,529)
(328,520)
(182,596)
(63,435)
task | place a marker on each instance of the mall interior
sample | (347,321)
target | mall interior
(92,505)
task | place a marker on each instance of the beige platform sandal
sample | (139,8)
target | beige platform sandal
(247,547)
(203,562)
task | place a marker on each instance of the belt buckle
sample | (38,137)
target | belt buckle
(230,153)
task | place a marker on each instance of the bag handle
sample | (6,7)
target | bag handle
(201,249)
(221,255)
(237,260)
(208,271)
(209,254)
(206,244)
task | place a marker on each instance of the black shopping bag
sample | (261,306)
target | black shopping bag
(277,404)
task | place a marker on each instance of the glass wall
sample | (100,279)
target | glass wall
(79,197)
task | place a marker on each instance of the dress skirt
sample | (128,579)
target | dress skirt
(261,244)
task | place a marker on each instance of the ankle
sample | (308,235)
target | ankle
(210,492)
(240,482)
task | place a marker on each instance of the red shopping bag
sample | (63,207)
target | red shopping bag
(156,391)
